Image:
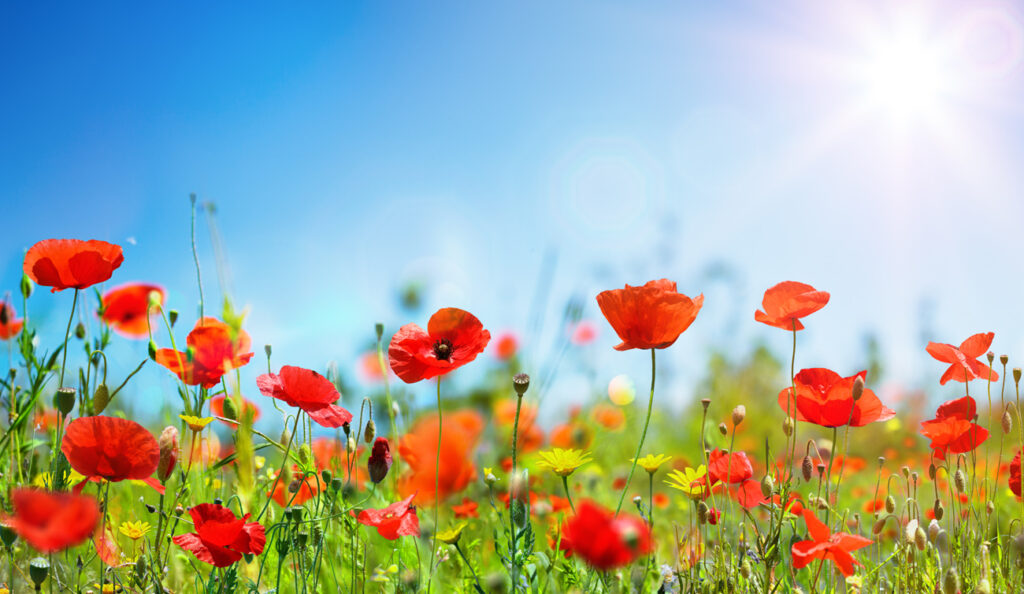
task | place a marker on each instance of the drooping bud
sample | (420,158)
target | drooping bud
(64,400)
(920,538)
(858,388)
(521,382)
(172,316)
(370,432)
(890,504)
(723,429)
(26,286)
(951,582)
(879,524)
(230,408)
(79,331)
(807,468)
(380,460)
(702,512)
(960,480)
(738,414)
(1007,421)
(100,398)
(151,349)
(168,443)
(938,510)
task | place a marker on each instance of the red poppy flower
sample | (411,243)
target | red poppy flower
(1015,475)
(71,263)
(397,519)
(126,308)
(217,408)
(583,332)
(602,539)
(953,429)
(10,323)
(827,546)
(731,468)
(826,399)
(787,302)
(418,450)
(648,317)
(963,361)
(213,350)
(505,346)
(466,509)
(308,390)
(453,338)
(52,522)
(110,448)
(221,538)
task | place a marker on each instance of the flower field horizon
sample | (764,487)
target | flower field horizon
(779,478)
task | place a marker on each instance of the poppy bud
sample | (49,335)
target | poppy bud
(787,426)
(152,350)
(370,432)
(26,286)
(933,530)
(890,504)
(521,382)
(380,460)
(705,402)
(295,485)
(267,350)
(172,316)
(379,329)
(1004,359)
(168,443)
(336,484)
(951,582)
(325,476)
(38,569)
(347,428)
(702,512)
(738,414)
(960,480)
(767,486)
(140,567)
(350,446)
(745,569)
(100,398)
(713,516)
(230,410)
(932,471)
(1007,421)
(920,538)
(984,587)
(938,510)
(64,400)
(807,468)
(80,331)
(990,356)
(723,429)
(305,455)
(858,388)
(879,524)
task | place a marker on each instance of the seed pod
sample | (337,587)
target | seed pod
(705,402)
(821,469)
(100,398)
(521,383)
(64,400)
(990,356)
(172,316)
(1016,375)
(38,569)
(807,468)
(1004,359)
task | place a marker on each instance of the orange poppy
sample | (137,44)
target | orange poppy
(466,509)
(603,539)
(453,338)
(572,435)
(953,429)
(530,436)
(418,449)
(213,350)
(787,302)
(283,494)
(51,522)
(506,346)
(963,360)
(827,546)
(648,317)
(72,263)
(126,308)
(10,323)
(609,416)
(825,398)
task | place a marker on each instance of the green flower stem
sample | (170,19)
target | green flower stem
(565,483)
(643,436)
(67,333)
(437,487)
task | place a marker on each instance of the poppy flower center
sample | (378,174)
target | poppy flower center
(443,349)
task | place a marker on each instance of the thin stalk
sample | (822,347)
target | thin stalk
(643,436)
(511,484)
(437,487)
(67,333)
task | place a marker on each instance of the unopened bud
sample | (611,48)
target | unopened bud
(938,510)
(172,316)
(920,538)
(807,468)
(1007,421)
(951,582)
(879,525)
(168,443)
(738,414)
(702,512)
(151,348)
(100,398)
(370,432)
(80,331)
(787,426)
(960,480)
(380,460)
(723,429)
(26,286)
(858,388)
(767,486)
(890,504)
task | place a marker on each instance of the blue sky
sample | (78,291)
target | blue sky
(867,148)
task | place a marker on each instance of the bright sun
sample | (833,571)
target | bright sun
(906,77)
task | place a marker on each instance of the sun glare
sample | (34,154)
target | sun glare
(906,77)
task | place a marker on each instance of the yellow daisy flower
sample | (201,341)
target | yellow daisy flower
(650,462)
(451,535)
(196,424)
(134,530)
(563,462)
(686,481)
